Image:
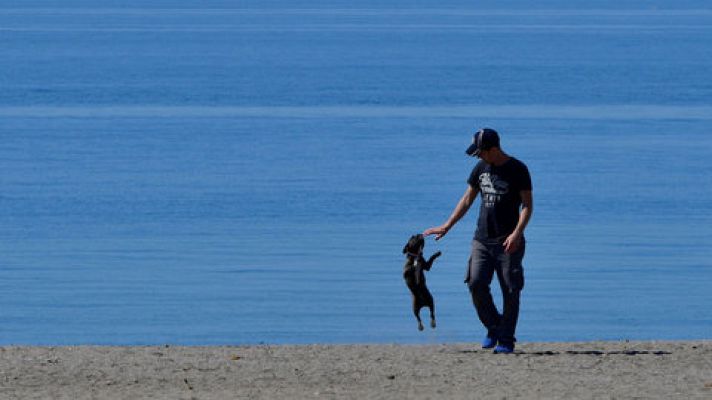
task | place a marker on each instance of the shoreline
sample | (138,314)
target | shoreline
(647,369)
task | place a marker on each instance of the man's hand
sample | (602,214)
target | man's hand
(512,243)
(438,231)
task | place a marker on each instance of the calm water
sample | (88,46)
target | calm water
(231,173)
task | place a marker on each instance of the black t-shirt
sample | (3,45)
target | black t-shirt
(499,188)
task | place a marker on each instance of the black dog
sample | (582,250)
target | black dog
(414,277)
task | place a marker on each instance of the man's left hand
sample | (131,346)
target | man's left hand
(512,243)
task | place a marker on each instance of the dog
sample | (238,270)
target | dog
(414,275)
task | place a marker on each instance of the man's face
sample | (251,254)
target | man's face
(486,156)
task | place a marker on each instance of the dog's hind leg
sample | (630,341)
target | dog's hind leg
(430,303)
(416,311)
(432,316)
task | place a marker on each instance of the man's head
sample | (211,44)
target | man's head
(483,140)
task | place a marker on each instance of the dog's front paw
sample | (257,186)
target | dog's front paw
(437,254)
(420,326)
(432,323)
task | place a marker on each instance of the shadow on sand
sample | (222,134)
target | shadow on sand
(581,352)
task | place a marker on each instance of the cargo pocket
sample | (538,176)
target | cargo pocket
(513,270)
(516,280)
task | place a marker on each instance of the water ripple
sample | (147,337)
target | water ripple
(533,111)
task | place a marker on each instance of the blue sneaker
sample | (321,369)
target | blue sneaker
(489,342)
(504,348)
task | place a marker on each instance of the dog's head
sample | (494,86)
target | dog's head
(415,245)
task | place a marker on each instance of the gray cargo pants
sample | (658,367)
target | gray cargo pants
(485,260)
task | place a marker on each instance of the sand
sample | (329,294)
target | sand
(665,370)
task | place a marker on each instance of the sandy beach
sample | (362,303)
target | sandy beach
(455,371)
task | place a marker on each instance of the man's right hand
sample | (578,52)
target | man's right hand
(438,231)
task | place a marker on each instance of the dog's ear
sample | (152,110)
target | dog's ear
(405,249)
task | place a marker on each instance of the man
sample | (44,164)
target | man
(498,245)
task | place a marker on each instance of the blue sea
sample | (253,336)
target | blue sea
(244,172)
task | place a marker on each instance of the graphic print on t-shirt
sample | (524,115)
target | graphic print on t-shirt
(492,189)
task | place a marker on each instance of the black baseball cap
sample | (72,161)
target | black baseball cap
(484,139)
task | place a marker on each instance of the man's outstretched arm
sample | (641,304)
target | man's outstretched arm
(460,210)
